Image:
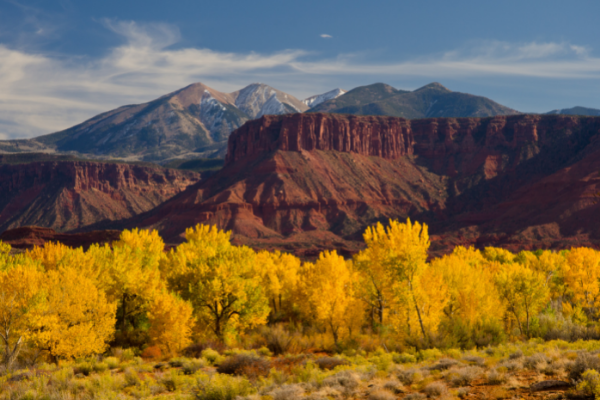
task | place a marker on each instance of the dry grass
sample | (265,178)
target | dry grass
(381,394)
(464,376)
(288,392)
(435,389)
(495,377)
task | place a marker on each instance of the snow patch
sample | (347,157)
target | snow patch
(314,101)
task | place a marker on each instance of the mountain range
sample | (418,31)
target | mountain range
(195,122)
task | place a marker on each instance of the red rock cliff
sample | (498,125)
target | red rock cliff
(390,137)
(385,137)
(66,195)
(523,180)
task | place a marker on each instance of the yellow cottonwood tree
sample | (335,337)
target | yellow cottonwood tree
(328,286)
(280,277)
(498,254)
(375,287)
(20,298)
(473,296)
(419,293)
(524,292)
(77,320)
(171,323)
(93,264)
(221,281)
(133,268)
(581,274)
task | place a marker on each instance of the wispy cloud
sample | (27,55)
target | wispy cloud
(326,36)
(41,94)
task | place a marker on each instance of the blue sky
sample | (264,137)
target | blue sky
(62,62)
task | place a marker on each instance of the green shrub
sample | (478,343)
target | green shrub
(583,362)
(62,378)
(383,362)
(112,362)
(410,376)
(100,367)
(192,366)
(222,387)
(84,368)
(178,362)
(430,354)
(265,352)
(404,358)
(127,355)
(131,377)
(173,381)
(210,355)
(590,383)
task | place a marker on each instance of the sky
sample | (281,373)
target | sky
(64,61)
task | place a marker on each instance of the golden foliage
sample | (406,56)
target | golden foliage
(221,281)
(328,287)
(279,273)
(582,274)
(524,292)
(76,320)
(472,294)
(170,323)
(20,298)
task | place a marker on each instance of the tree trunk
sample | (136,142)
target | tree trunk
(10,355)
(418,312)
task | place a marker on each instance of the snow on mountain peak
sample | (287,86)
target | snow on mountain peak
(321,98)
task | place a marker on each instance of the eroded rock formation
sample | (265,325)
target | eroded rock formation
(67,195)
(309,182)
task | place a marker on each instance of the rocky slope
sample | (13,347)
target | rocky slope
(433,100)
(314,181)
(67,195)
(259,99)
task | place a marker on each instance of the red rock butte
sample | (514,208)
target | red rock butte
(308,182)
(384,137)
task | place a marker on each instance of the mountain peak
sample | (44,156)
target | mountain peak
(434,86)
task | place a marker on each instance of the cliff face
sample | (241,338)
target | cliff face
(68,195)
(310,182)
(384,137)
(387,137)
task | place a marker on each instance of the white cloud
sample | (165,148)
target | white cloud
(42,94)
(326,36)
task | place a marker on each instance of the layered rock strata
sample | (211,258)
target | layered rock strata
(67,195)
(308,182)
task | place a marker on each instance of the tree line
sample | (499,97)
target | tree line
(61,302)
